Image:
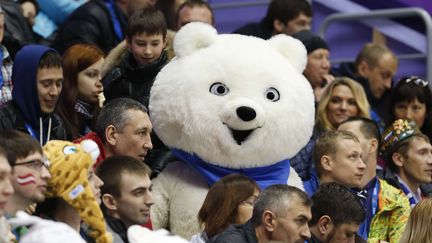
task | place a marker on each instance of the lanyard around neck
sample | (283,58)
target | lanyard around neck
(365,226)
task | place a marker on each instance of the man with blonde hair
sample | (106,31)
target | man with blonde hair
(338,158)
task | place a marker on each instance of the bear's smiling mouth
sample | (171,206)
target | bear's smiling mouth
(240,135)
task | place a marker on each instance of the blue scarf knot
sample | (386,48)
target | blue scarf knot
(264,176)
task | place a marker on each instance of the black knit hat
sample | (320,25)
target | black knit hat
(310,40)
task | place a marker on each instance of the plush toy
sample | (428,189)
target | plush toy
(227,104)
(46,231)
(139,234)
(70,165)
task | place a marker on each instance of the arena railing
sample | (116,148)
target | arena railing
(385,14)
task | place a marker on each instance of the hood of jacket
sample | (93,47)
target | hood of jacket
(24,73)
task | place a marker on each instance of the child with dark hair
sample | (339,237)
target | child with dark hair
(133,67)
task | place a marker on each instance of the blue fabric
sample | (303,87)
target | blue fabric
(378,120)
(44,26)
(264,176)
(116,22)
(59,10)
(311,185)
(24,92)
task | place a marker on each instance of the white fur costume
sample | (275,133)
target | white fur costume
(234,101)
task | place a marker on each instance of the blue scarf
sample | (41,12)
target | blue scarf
(264,176)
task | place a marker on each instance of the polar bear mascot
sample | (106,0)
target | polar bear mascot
(227,104)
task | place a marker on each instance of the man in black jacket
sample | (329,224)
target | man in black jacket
(281,213)
(374,68)
(98,22)
(283,17)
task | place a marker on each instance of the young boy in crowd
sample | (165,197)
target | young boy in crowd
(133,68)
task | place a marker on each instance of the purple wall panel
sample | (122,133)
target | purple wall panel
(345,39)
(425,4)
(228,20)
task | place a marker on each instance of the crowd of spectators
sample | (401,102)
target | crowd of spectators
(81,71)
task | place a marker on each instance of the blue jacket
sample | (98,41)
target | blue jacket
(311,185)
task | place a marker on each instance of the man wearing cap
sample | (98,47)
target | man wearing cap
(408,154)
(317,69)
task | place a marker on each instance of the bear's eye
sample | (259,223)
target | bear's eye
(70,150)
(219,89)
(272,94)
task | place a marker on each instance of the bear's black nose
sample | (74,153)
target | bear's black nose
(246,113)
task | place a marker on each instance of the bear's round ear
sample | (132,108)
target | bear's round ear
(192,37)
(292,49)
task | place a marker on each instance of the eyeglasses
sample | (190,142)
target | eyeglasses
(416,80)
(36,164)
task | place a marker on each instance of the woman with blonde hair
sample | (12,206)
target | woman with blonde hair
(419,227)
(343,98)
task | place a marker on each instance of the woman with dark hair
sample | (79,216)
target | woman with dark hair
(412,99)
(81,96)
(229,201)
